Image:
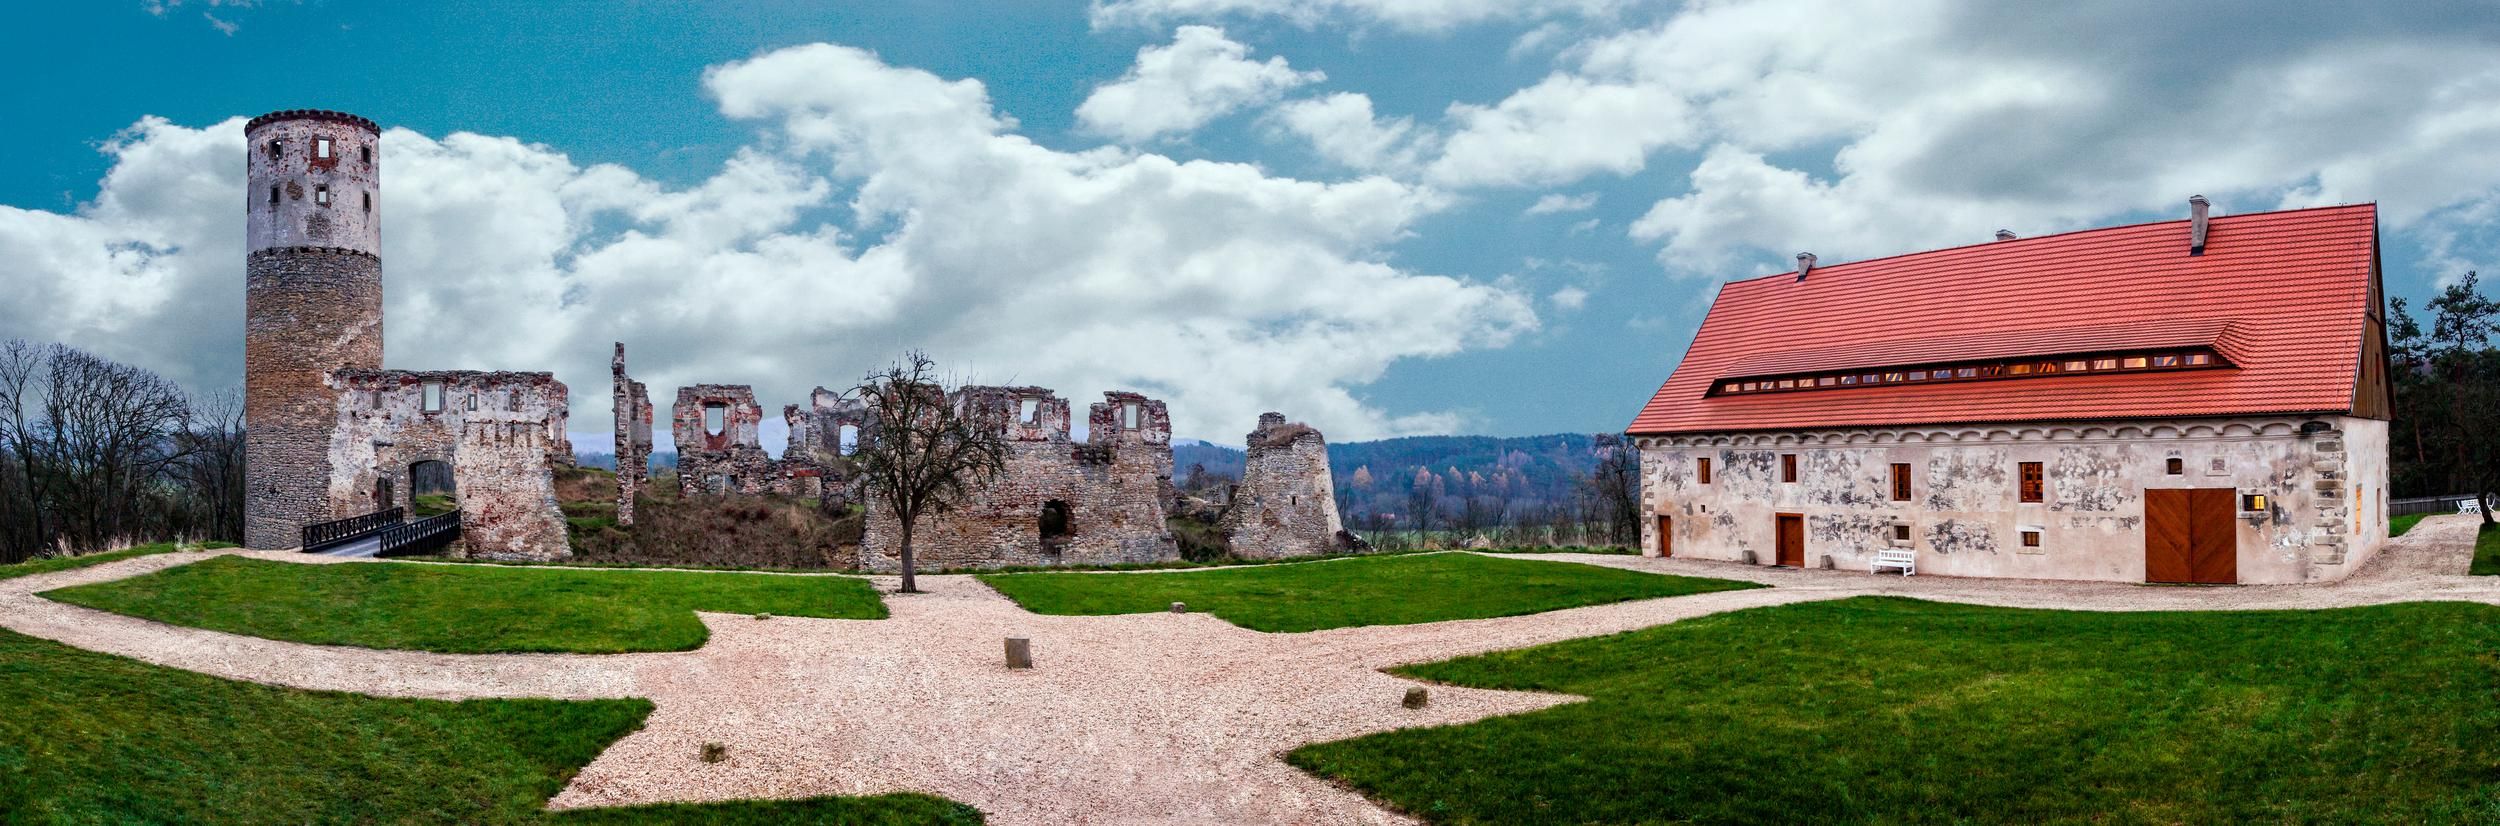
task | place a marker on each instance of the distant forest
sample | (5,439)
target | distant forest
(1453,482)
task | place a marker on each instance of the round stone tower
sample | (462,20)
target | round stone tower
(312,304)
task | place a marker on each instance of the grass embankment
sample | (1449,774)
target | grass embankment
(2486,552)
(463,609)
(760,532)
(47,565)
(1887,710)
(92,738)
(431,504)
(1382,590)
(2397,525)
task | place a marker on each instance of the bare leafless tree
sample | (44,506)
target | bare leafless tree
(924,449)
(95,454)
(1614,490)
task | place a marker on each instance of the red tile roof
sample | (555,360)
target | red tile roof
(2283,295)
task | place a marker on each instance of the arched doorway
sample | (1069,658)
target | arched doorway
(431,490)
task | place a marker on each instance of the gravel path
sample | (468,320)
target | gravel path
(1146,718)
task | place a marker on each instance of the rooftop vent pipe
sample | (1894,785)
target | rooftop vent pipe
(1805,264)
(2006,235)
(2197,205)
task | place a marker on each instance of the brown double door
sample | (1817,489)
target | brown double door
(1792,541)
(2189,536)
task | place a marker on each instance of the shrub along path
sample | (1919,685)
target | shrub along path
(1161,717)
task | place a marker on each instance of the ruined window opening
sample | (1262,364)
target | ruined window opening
(1054,523)
(2031,539)
(2035,482)
(276,148)
(1788,467)
(368,202)
(1029,410)
(2175,466)
(1701,467)
(472,402)
(1900,482)
(321,148)
(715,419)
(846,439)
(1128,416)
(273,196)
(365,153)
(431,396)
(321,194)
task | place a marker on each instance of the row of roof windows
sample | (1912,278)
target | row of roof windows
(2011,368)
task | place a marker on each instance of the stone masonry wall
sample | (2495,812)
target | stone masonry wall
(2324,479)
(306,312)
(1286,504)
(730,461)
(632,403)
(501,433)
(814,463)
(1114,490)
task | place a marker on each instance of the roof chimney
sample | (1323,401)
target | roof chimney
(1805,264)
(2006,235)
(2196,224)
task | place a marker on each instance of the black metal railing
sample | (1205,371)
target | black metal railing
(337,532)
(423,536)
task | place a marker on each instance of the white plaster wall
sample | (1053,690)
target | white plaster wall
(1964,512)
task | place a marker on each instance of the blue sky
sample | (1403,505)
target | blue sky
(1213,220)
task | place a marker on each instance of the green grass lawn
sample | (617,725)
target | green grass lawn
(2397,525)
(2486,552)
(1382,590)
(464,609)
(432,504)
(93,738)
(63,563)
(1887,710)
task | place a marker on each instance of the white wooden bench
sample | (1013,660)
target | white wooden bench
(1902,558)
(2474,505)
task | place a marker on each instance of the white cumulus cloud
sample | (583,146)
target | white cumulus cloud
(1175,89)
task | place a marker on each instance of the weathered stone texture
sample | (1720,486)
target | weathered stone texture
(295,198)
(632,403)
(730,459)
(306,312)
(1111,492)
(499,432)
(1286,504)
(2326,489)
(816,462)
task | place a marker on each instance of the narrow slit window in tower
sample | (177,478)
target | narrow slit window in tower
(276,148)
(321,194)
(273,196)
(368,202)
(364,153)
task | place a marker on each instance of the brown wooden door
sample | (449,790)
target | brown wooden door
(1666,535)
(1792,540)
(2189,536)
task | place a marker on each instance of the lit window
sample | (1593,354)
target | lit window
(2253,502)
(1900,533)
(321,148)
(2133,362)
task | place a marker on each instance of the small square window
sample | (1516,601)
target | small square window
(321,195)
(1900,533)
(2175,466)
(2018,369)
(2031,539)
